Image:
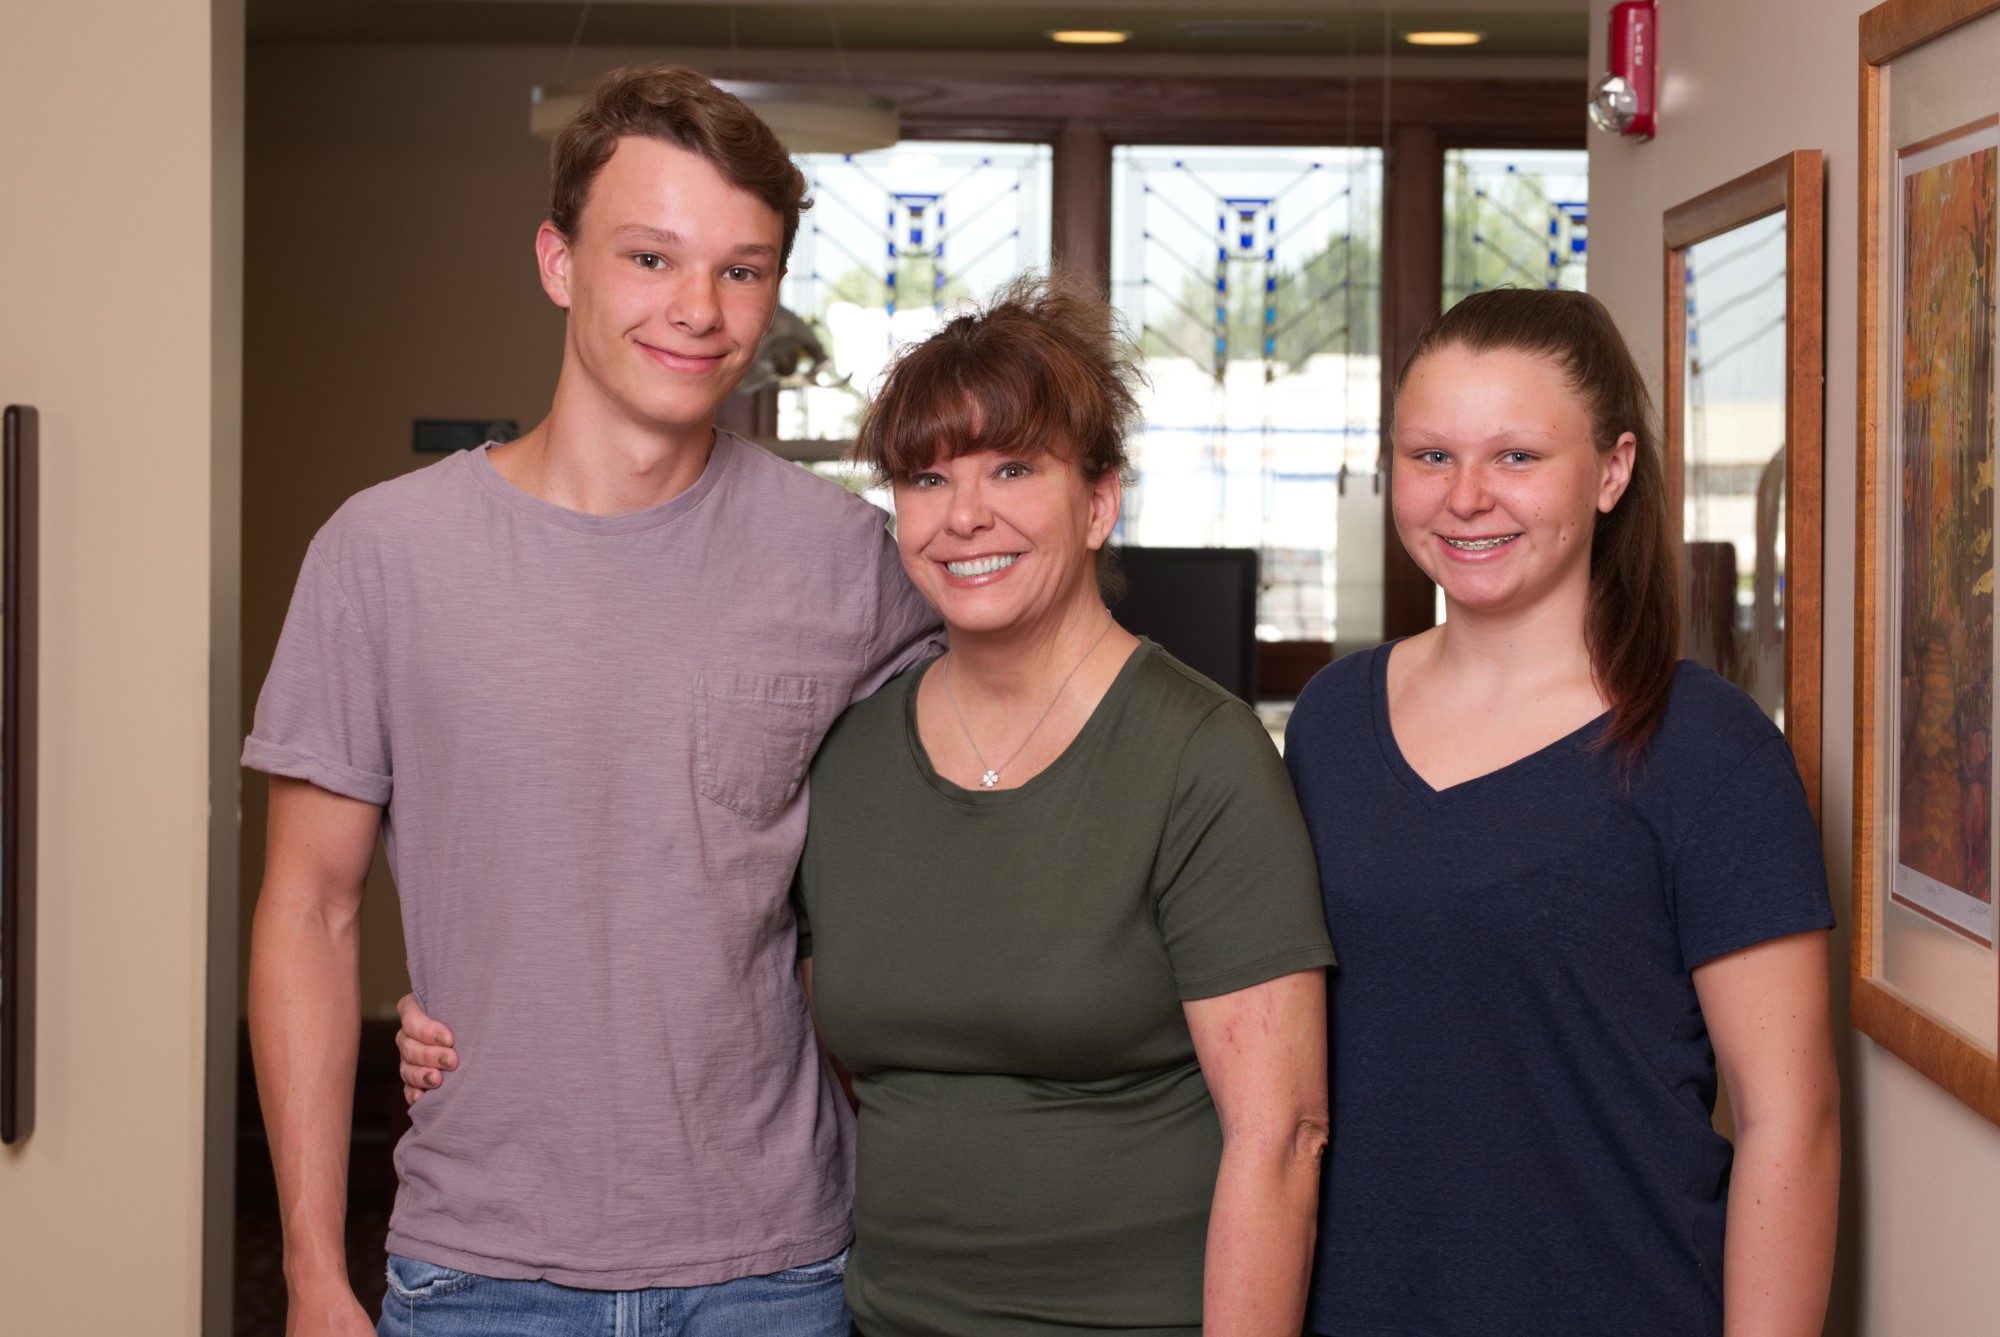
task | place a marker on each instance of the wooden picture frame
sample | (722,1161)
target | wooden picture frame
(1774,213)
(19,580)
(1924,985)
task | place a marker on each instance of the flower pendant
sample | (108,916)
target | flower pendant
(990,779)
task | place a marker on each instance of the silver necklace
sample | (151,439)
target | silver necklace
(990,774)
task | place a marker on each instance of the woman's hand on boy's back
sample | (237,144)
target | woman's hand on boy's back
(427,1048)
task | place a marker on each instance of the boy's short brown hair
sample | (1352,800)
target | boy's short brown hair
(681,107)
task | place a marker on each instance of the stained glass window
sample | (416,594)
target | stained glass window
(1251,278)
(1515,218)
(895,239)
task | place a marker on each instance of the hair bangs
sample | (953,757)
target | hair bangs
(955,400)
(1041,369)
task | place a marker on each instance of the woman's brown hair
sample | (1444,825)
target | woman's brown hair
(678,106)
(1633,623)
(1041,367)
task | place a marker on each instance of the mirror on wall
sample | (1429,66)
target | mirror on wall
(1743,436)
(1732,455)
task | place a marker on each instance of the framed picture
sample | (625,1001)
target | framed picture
(1925,971)
(18,600)
(1745,371)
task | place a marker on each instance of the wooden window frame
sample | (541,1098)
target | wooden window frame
(1414,122)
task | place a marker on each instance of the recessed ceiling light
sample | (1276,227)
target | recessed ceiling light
(1089,36)
(1444,38)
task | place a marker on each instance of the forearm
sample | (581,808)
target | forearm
(1783,1204)
(304,1032)
(1260,1235)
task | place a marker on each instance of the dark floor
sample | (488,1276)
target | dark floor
(371,1190)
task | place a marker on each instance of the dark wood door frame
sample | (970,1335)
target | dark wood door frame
(1412,290)
(1082,201)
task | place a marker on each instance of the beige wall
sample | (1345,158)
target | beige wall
(1746,81)
(117,321)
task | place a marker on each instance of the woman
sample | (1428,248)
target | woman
(1568,879)
(1056,902)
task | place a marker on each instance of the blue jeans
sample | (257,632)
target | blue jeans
(428,1301)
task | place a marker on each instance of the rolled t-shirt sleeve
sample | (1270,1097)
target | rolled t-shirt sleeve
(1750,869)
(1238,890)
(322,716)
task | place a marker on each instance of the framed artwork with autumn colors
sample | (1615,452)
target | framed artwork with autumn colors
(1926,971)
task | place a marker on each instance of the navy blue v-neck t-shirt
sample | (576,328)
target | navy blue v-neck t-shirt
(1522,1080)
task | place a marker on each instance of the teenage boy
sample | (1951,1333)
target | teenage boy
(576,680)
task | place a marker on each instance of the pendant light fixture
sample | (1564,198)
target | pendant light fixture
(806,118)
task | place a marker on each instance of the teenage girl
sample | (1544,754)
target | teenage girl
(1569,880)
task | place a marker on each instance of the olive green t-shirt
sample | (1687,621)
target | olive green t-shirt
(1004,971)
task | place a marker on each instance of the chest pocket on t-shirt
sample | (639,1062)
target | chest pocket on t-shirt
(754,734)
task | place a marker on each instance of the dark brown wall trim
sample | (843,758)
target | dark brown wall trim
(1165,109)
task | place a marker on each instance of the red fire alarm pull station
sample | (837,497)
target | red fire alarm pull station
(1625,98)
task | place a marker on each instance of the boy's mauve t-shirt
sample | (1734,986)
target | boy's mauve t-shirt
(1522,1079)
(591,734)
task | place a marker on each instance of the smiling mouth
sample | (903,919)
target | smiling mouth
(1480,545)
(671,357)
(982,566)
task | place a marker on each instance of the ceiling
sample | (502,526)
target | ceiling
(1234,28)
